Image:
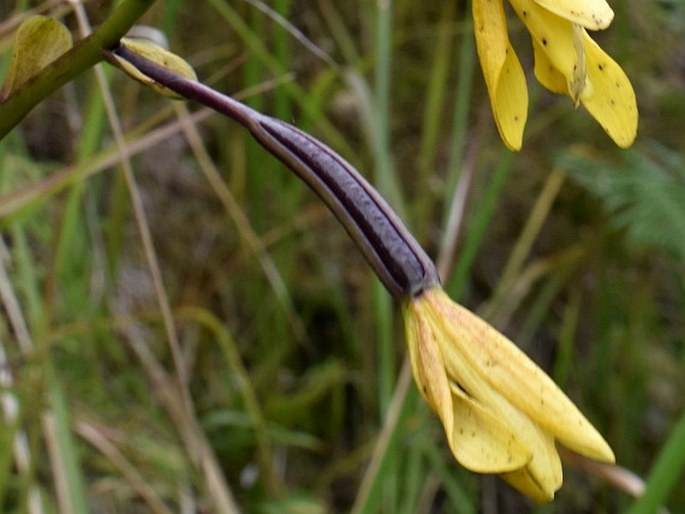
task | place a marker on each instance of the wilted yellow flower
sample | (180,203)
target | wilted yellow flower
(501,413)
(567,61)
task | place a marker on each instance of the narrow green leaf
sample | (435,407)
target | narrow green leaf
(665,472)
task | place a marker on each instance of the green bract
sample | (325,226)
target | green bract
(156,54)
(39,41)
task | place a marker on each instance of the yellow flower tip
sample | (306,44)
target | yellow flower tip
(612,100)
(510,102)
(591,14)
(504,76)
(529,485)
(501,413)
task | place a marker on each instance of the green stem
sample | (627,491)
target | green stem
(84,55)
(385,176)
(387,184)
(665,472)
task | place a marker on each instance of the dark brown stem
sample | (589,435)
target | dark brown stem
(391,250)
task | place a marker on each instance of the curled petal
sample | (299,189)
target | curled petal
(541,479)
(482,442)
(592,77)
(612,101)
(503,73)
(558,45)
(501,413)
(546,73)
(479,439)
(591,14)
(553,36)
(577,85)
(544,467)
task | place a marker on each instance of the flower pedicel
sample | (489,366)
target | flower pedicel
(501,413)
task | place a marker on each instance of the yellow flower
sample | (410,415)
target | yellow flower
(567,61)
(501,413)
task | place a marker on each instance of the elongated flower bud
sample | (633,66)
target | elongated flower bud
(391,250)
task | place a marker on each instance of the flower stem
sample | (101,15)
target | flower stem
(85,54)
(393,253)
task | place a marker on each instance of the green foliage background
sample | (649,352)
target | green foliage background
(246,358)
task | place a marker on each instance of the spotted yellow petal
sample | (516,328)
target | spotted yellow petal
(546,73)
(612,102)
(541,479)
(525,482)
(486,408)
(545,466)
(502,70)
(481,441)
(591,14)
(558,44)
(577,85)
(553,34)
(474,383)
(428,366)
(519,379)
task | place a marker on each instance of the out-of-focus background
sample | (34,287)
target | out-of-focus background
(185,328)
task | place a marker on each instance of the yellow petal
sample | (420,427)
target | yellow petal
(522,480)
(554,36)
(591,14)
(549,76)
(612,101)
(502,70)
(490,411)
(539,488)
(482,442)
(427,364)
(518,379)
(546,73)
(479,440)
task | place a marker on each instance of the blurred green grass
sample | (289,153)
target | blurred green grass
(276,376)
